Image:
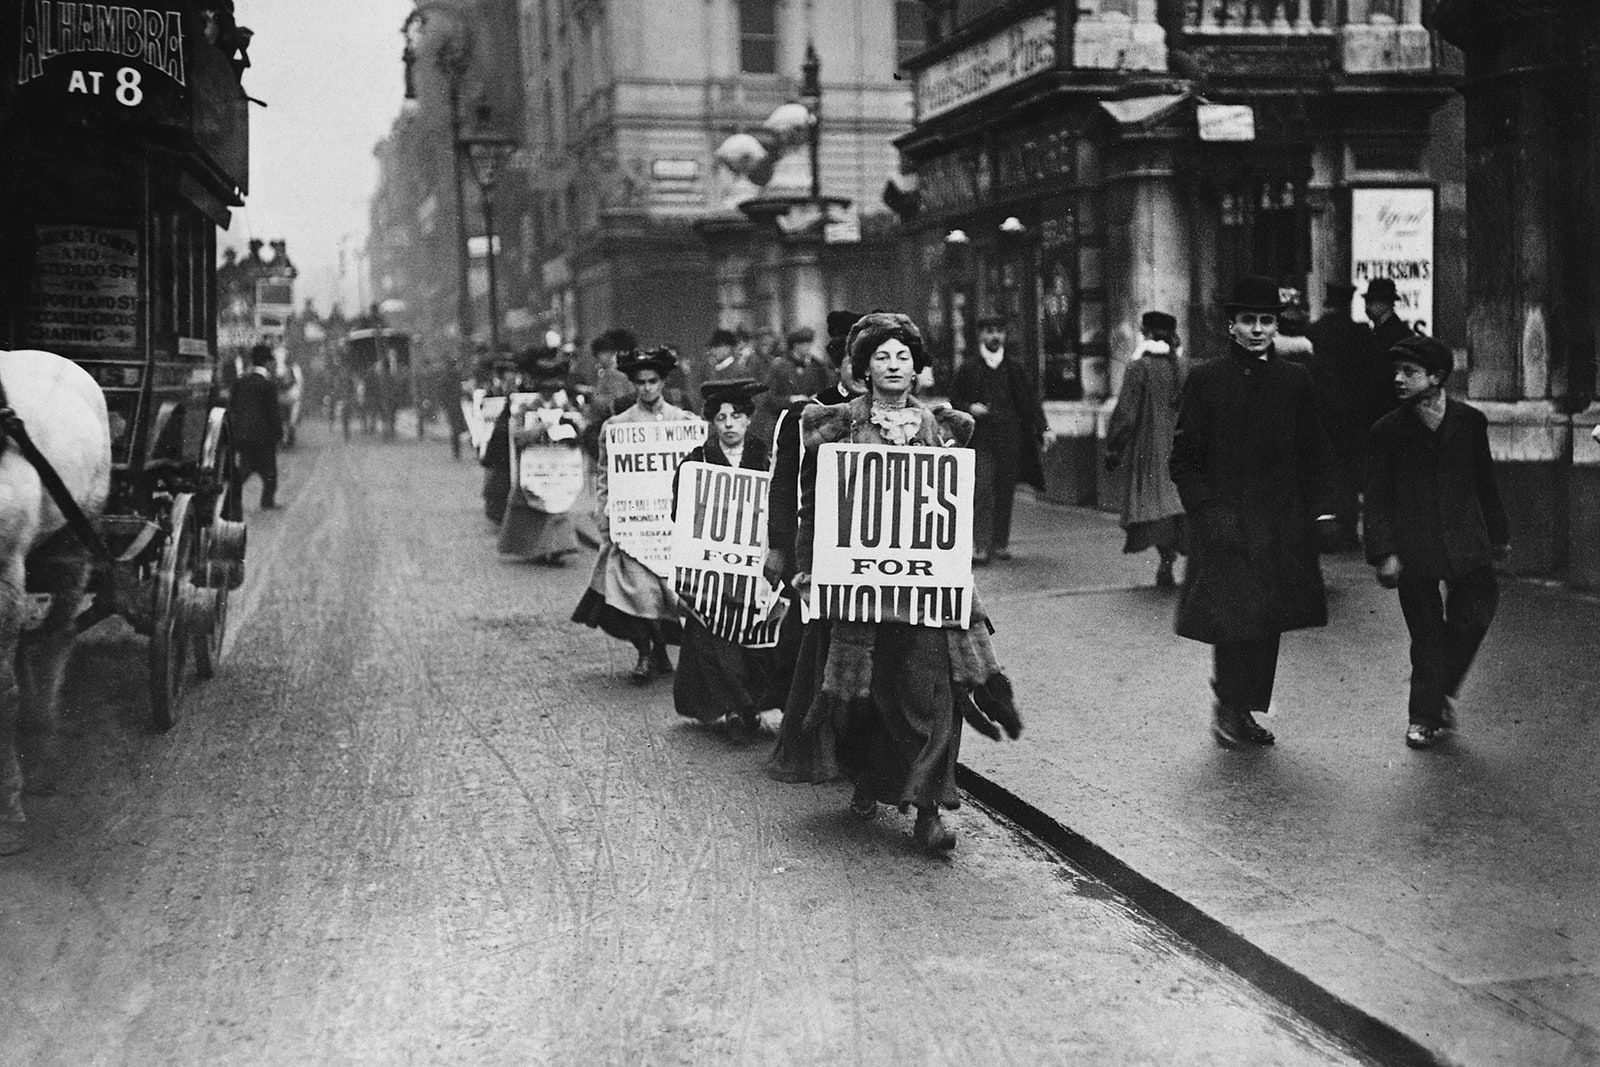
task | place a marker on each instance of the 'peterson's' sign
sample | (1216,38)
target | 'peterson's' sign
(55,28)
(1021,49)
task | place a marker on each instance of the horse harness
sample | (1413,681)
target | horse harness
(12,428)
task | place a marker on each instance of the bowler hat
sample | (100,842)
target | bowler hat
(740,392)
(1152,322)
(1432,356)
(839,322)
(1381,289)
(660,359)
(1339,294)
(1254,292)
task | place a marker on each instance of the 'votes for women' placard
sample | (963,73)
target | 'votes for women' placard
(640,459)
(719,542)
(893,537)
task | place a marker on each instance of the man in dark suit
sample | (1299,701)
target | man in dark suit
(1375,393)
(1434,517)
(255,422)
(1251,462)
(1339,366)
(995,388)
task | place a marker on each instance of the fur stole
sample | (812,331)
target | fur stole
(852,422)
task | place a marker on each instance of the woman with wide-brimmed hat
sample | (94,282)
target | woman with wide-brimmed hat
(626,598)
(892,694)
(718,681)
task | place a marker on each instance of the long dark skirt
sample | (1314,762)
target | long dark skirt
(717,678)
(533,534)
(496,486)
(803,755)
(593,611)
(901,746)
(782,658)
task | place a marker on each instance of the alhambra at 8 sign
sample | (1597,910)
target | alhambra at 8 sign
(893,536)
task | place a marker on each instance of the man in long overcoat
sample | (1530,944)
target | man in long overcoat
(256,423)
(1252,464)
(995,388)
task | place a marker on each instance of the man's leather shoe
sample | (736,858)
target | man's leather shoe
(1227,726)
(1254,732)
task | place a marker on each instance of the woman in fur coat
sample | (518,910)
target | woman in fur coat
(893,694)
(717,680)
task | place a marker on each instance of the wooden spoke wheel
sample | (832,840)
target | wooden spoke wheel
(210,623)
(170,637)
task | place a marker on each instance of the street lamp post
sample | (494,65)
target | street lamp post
(452,58)
(811,97)
(489,151)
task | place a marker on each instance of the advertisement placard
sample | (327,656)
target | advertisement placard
(893,536)
(549,466)
(1391,236)
(1021,50)
(86,290)
(640,460)
(719,541)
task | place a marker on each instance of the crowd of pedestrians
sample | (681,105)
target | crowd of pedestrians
(1251,463)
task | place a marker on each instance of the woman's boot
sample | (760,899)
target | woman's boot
(1164,575)
(931,833)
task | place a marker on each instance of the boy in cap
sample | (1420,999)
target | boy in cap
(1434,518)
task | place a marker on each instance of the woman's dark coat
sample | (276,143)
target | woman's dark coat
(1251,461)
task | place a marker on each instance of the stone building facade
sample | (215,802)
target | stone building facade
(1082,161)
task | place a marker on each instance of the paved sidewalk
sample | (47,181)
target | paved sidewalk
(1452,894)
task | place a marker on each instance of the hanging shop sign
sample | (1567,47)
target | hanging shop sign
(1391,236)
(640,460)
(85,293)
(1226,122)
(719,543)
(893,536)
(1019,51)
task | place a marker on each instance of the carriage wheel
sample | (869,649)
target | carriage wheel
(211,625)
(169,641)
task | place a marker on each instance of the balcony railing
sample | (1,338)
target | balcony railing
(1284,17)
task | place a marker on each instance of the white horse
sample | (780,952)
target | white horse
(65,415)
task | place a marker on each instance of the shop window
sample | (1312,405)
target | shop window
(910,30)
(758,36)
(1266,229)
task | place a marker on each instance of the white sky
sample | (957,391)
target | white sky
(330,73)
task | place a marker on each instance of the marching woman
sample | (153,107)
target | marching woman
(625,598)
(894,694)
(717,680)
(530,530)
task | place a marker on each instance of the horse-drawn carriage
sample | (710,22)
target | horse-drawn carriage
(117,166)
(376,364)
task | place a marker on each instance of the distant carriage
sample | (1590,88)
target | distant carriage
(376,364)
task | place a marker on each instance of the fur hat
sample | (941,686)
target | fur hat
(1254,292)
(1381,289)
(873,329)
(1432,356)
(740,392)
(660,359)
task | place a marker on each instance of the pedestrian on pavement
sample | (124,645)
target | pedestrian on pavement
(798,375)
(1251,462)
(801,648)
(1338,369)
(600,381)
(1375,391)
(626,598)
(496,458)
(895,693)
(1139,444)
(1435,518)
(726,358)
(718,681)
(449,393)
(533,528)
(997,390)
(255,422)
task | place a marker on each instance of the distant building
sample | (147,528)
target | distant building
(633,222)
(1082,161)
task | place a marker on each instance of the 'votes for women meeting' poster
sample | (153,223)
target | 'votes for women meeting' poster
(893,536)
(640,460)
